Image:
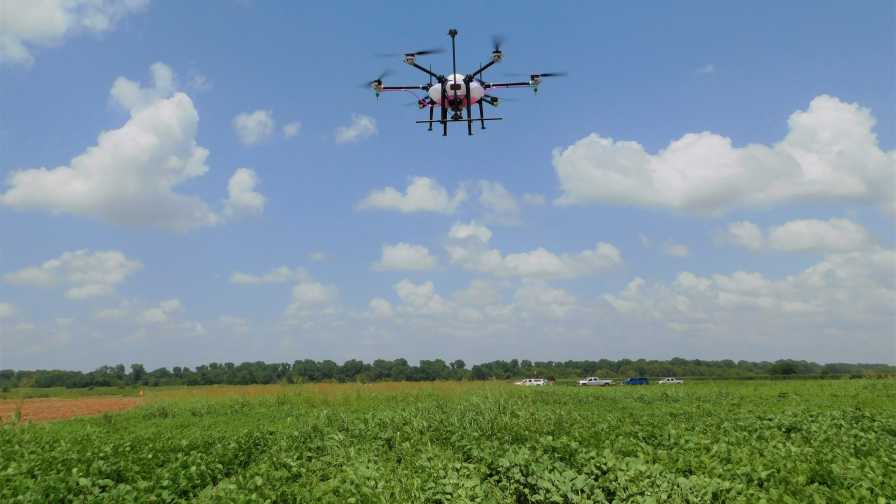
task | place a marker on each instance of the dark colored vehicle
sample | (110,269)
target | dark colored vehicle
(636,381)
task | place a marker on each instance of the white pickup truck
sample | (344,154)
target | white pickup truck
(593,381)
(530,382)
(670,381)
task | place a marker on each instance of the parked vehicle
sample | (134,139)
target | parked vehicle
(636,381)
(530,382)
(670,381)
(593,381)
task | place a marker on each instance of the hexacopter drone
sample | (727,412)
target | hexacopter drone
(457,92)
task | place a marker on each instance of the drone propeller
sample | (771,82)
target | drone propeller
(424,52)
(497,42)
(378,80)
(546,74)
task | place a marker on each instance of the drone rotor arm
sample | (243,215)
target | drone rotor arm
(425,70)
(404,88)
(483,67)
(489,85)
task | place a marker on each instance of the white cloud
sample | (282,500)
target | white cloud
(199,82)
(540,298)
(834,235)
(707,69)
(7,311)
(468,249)
(235,324)
(830,153)
(242,198)
(84,274)
(118,313)
(461,231)
(423,194)
(27,24)
(129,176)
(309,297)
(291,129)
(533,199)
(405,257)
(745,234)
(500,205)
(380,308)
(161,314)
(254,127)
(645,241)
(283,274)
(362,127)
(420,299)
(675,249)
(845,289)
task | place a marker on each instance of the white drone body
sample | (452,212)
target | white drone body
(457,88)
(455,94)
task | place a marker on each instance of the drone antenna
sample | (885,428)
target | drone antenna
(453,33)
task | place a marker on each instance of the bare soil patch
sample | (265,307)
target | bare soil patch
(45,410)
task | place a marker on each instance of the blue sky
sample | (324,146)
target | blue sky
(605,216)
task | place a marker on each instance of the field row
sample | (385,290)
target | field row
(452,442)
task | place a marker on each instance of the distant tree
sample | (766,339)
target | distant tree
(138,374)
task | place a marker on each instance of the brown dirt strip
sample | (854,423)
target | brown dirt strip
(48,409)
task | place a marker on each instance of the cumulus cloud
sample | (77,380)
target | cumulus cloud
(540,298)
(405,257)
(7,310)
(309,297)
(380,308)
(27,24)
(162,313)
(834,235)
(676,249)
(84,274)
(467,248)
(745,234)
(199,82)
(461,231)
(282,274)
(361,127)
(533,199)
(420,299)
(254,127)
(845,289)
(829,154)
(423,194)
(291,129)
(236,324)
(242,198)
(500,205)
(129,177)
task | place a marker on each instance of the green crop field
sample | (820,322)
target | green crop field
(794,441)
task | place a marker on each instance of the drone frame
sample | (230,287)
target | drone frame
(496,57)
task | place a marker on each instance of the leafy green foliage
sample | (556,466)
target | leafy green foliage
(310,371)
(794,441)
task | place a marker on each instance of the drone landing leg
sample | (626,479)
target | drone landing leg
(444,106)
(469,112)
(481,114)
(430,118)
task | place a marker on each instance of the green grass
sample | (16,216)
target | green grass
(794,441)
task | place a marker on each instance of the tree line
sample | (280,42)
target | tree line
(308,371)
